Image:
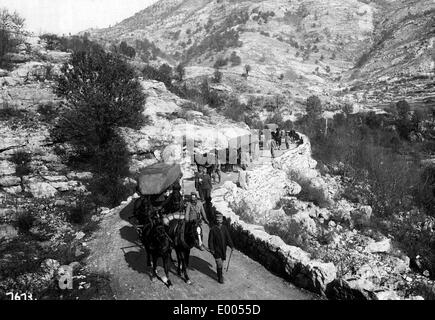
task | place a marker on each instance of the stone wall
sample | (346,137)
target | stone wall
(292,263)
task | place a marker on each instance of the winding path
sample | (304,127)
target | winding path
(246,278)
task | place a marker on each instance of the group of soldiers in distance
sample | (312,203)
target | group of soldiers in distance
(289,137)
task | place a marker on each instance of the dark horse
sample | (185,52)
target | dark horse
(154,238)
(157,245)
(184,242)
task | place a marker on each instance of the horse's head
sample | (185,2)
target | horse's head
(193,233)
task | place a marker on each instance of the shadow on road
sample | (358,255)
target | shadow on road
(130,234)
(202,266)
(127,212)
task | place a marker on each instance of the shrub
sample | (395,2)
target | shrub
(163,74)
(8,111)
(127,50)
(22,160)
(11,33)
(102,95)
(81,211)
(220,62)
(235,110)
(314,107)
(235,59)
(426,190)
(47,111)
(181,71)
(25,222)
(217,76)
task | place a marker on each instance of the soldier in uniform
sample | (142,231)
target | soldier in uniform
(218,240)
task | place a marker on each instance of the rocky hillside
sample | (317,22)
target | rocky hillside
(318,46)
(47,211)
(288,205)
(400,62)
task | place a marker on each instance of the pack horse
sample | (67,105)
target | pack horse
(159,213)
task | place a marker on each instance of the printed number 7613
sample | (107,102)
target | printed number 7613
(18,296)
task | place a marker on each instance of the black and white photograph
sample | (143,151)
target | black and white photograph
(217,154)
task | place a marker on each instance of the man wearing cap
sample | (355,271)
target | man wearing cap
(203,184)
(195,211)
(218,240)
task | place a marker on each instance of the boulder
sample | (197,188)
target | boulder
(41,189)
(340,289)
(293,188)
(379,247)
(9,181)
(388,295)
(80,175)
(314,275)
(12,190)
(8,232)
(6,168)
(56,178)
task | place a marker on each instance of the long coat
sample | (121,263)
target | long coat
(218,240)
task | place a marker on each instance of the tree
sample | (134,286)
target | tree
(217,76)
(235,59)
(181,71)
(126,50)
(11,32)
(347,109)
(102,94)
(314,107)
(403,109)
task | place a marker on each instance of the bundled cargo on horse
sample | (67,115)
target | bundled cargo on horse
(157,178)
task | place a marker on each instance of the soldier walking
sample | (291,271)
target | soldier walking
(218,240)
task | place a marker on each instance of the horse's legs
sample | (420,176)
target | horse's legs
(166,259)
(185,254)
(179,260)
(154,274)
(147,249)
(187,257)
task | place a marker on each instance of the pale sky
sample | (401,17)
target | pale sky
(65,16)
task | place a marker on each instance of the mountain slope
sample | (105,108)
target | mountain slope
(294,47)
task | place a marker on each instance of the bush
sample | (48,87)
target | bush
(22,160)
(11,33)
(426,190)
(181,71)
(102,95)
(163,74)
(25,222)
(235,110)
(7,112)
(314,107)
(220,62)
(217,76)
(81,211)
(47,111)
(127,50)
(235,59)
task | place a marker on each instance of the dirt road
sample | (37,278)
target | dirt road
(246,278)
